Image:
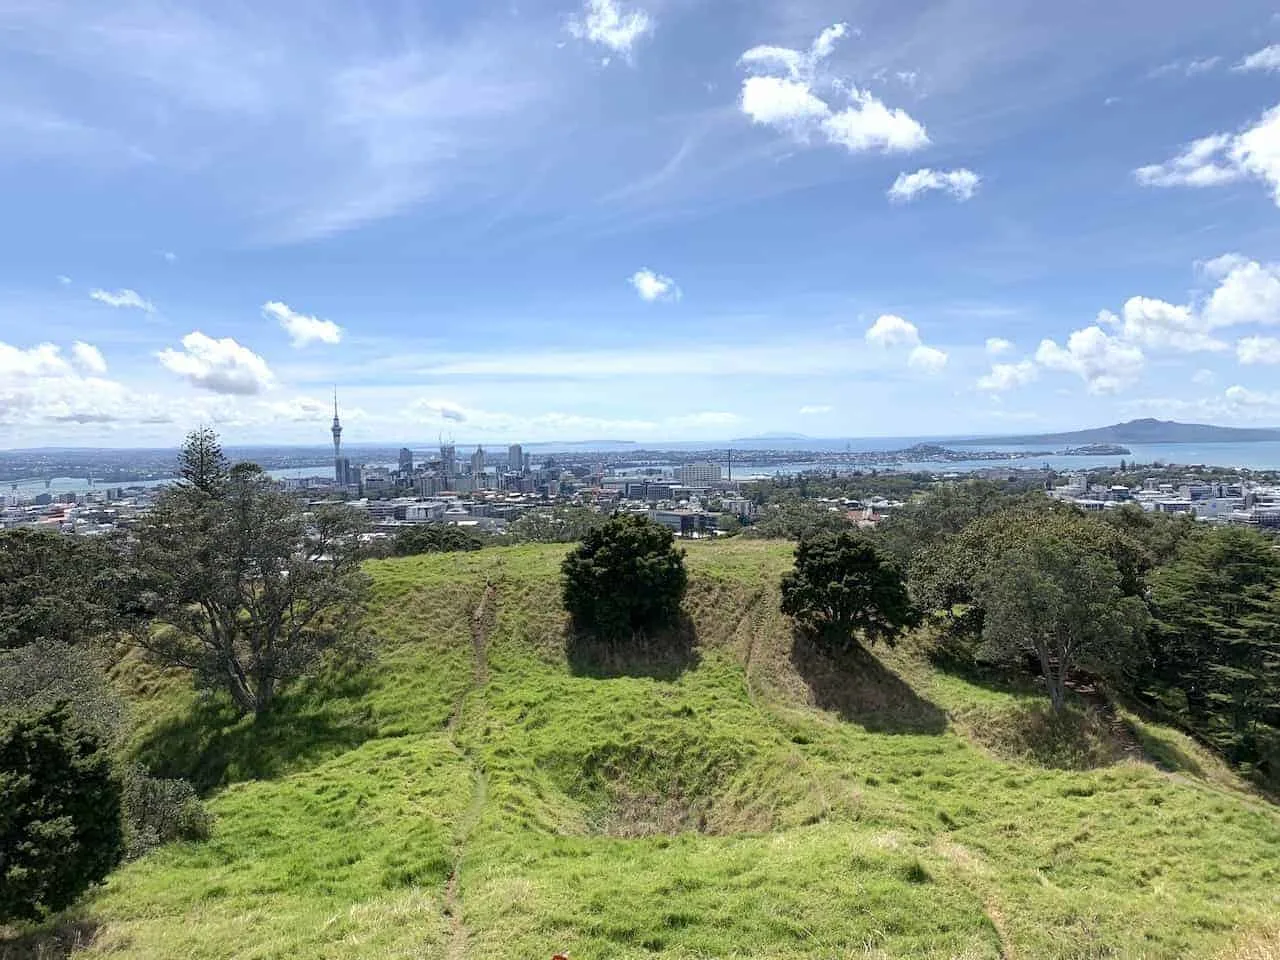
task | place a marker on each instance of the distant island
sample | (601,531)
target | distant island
(1144,431)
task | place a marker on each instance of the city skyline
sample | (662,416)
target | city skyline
(635,219)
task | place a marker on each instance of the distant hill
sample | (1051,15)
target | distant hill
(1146,431)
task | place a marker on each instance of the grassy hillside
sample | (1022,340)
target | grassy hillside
(482,790)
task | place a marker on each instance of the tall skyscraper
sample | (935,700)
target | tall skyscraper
(339,471)
(477,462)
(448,460)
(515,458)
(406,460)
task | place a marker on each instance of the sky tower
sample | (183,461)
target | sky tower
(339,465)
(337,427)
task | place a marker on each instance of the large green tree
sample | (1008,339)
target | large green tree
(243,588)
(1216,641)
(1059,601)
(843,590)
(60,814)
(58,588)
(626,578)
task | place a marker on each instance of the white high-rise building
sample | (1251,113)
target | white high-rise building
(698,474)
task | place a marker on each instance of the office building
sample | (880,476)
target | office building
(698,474)
(406,460)
(515,458)
(448,461)
(477,462)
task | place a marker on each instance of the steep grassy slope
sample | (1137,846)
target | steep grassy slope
(485,790)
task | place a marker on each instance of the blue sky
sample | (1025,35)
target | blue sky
(648,220)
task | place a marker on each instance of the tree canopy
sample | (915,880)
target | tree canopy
(844,590)
(245,590)
(626,578)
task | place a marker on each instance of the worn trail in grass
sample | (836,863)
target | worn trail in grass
(490,787)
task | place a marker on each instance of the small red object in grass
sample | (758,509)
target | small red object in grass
(560,956)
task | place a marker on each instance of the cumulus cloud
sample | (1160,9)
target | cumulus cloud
(1008,376)
(961,184)
(41,385)
(654,286)
(1268,59)
(123,298)
(1202,377)
(787,90)
(1236,403)
(892,331)
(1156,324)
(63,280)
(998,345)
(1105,363)
(927,359)
(1223,158)
(813,409)
(1248,293)
(219,366)
(606,23)
(88,357)
(1258,350)
(302,329)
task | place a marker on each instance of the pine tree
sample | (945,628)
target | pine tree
(202,463)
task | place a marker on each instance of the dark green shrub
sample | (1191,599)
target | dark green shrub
(625,578)
(60,814)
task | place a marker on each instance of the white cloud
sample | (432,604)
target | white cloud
(1197,166)
(998,345)
(787,91)
(781,102)
(88,357)
(1258,350)
(123,298)
(703,420)
(63,280)
(1248,293)
(1007,376)
(892,331)
(1105,363)
(1203,377)
(169,256)
(1216,268)
(302,329)
(220,366)
(961,183)
(38,385)
(867,124)
(1268,58)
(1224,158)
(1235,404)
(1156,324)
(654,286)
(604,22)
(813,409)
(929,360)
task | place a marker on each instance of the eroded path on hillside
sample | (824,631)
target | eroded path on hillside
(469,704)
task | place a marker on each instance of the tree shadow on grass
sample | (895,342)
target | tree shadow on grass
(663,656)
(55,940)
(862,690)
(211,744)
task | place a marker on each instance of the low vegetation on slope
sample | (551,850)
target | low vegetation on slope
(490,786)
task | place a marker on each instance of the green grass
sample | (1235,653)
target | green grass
(728,794)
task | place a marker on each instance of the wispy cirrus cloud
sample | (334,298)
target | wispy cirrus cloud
(123,298)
